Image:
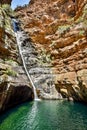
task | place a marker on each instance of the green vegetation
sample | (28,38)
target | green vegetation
(44,57)
(11,62)
(7,9)
(5,18)
(63,29)
(11,72)
(82,32)
(52,44)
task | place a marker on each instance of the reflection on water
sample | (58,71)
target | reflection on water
(46,115)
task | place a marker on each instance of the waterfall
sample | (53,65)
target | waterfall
(40,75)
(18,36)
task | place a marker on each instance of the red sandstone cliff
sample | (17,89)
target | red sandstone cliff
(60,28)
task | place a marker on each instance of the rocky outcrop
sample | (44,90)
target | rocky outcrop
(14,85)
(58,29)
(79,8)
(5,2)
(7,39)
(38,71)
(73,85)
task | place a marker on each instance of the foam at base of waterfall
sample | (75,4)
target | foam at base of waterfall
(37,99)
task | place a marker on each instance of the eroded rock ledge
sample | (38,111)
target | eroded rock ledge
(73,85)
(14,86)
(58,28)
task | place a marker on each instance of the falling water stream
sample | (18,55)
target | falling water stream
(19,36)
(24,65)
(39,74)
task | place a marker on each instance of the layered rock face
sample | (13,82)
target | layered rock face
(58,28)
(39,72)
(14,85)
(7,39)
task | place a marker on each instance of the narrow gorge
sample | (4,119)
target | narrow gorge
(43,56)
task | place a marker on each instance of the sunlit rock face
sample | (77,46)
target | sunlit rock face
(42,18)
(5,2)
(58,28)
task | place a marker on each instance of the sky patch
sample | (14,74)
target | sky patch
(16,3)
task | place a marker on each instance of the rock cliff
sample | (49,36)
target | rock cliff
(14,85)
(58,29)
(5,2)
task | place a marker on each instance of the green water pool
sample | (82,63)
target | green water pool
(45,115)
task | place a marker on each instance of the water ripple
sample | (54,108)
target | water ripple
(46,115)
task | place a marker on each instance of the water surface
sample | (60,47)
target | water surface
(46,115)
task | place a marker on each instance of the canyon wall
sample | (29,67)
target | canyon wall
(58,29)
(14,85)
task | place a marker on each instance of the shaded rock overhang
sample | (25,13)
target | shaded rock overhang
(5,2)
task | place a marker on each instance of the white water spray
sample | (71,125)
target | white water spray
(19,47)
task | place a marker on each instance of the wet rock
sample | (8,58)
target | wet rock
(14,87)
(14,95)
(59,28)
(40,75)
